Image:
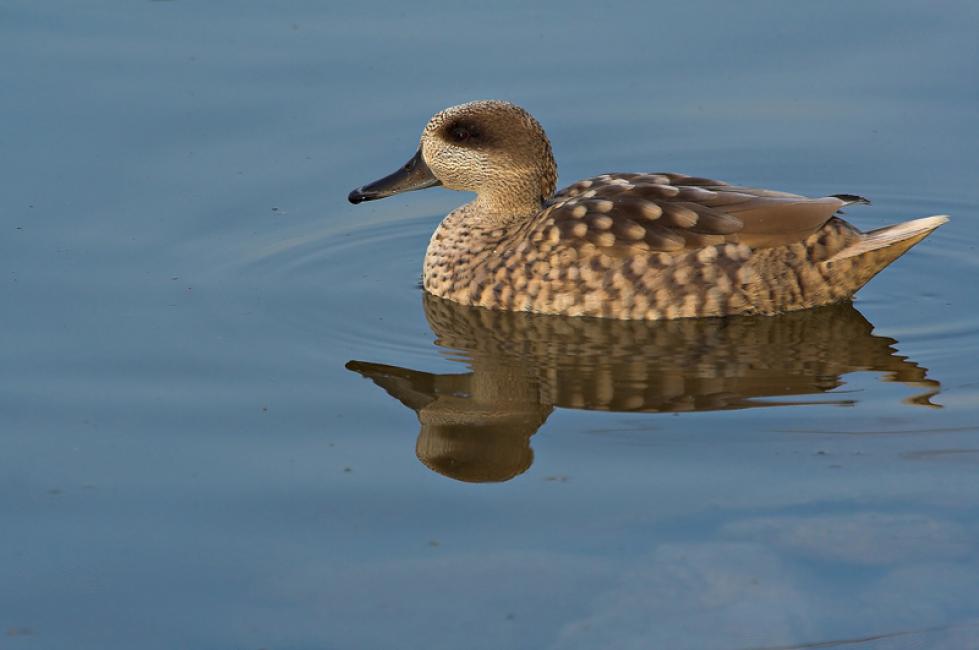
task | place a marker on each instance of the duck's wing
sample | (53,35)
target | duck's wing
(672,212)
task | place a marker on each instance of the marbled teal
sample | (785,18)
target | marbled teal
(625,245)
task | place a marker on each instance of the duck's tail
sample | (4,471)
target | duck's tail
(869,253)
(888,244)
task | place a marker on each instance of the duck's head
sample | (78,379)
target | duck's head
(493,148)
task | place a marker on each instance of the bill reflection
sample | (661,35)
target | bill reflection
(476,426)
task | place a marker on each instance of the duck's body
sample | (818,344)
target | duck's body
(629,246)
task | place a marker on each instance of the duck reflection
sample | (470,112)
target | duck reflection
(476,426)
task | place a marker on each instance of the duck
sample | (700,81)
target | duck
(629,246)
(514,369)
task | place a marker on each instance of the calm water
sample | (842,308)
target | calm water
(230,419)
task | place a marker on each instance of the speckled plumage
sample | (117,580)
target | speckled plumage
(476,424)
(630,246)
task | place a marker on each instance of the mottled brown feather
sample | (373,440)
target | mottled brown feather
(700,211)
(630,245)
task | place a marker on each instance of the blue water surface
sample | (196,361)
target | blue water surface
(189,463)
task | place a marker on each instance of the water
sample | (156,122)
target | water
(194,457)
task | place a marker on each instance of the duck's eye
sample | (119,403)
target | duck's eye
(461,134)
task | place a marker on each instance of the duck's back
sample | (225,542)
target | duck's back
(652,246)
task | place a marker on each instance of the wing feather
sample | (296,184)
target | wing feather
(669,212)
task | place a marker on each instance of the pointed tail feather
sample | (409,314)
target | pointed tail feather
(895,240)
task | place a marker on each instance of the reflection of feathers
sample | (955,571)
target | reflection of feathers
(476,426)
(680,365)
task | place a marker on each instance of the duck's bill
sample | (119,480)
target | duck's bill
(414,175)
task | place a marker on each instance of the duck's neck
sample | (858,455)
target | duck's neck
(499,209)
(518,191)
